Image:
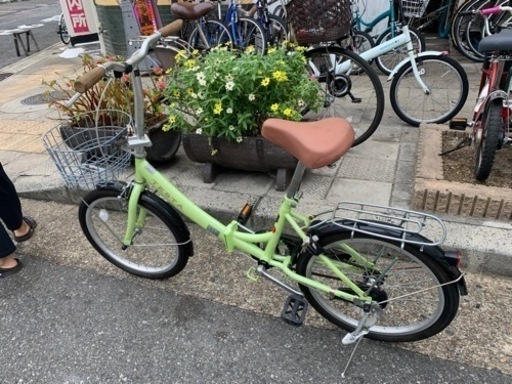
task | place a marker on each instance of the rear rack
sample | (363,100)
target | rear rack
(394,224)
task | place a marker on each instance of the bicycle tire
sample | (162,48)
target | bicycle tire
(463,33)
(403,320)
(491,136)
(157,250)
(248,33)
(278,32)
(216,34)
(355,95)
(413,106)
(457,17)
(389,60)
(63,31)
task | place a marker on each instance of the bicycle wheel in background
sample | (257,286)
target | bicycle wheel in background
(389,60)
(458,18)
(441,103)
(215,33)
(63,30)
(358,42)
(350,88)
(409,318)
(488,139)
(278,32)
(247,32)
(157,250)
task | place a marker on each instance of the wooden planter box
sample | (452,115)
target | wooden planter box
(252,154)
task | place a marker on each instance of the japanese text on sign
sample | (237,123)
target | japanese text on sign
(77,16)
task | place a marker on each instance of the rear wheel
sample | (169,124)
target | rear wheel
(418,306)
(247,32)
(489,140)
(278,32)
(350,88)
(441,103)
(63,30)
(215,33)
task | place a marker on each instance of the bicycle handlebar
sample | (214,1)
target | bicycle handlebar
(87,81)
(488,11)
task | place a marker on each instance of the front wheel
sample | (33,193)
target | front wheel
(158,248)
(489,140)
(440,102)
(405,317)
(349,88)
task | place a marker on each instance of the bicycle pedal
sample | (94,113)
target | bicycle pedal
(458,124)
(294,310)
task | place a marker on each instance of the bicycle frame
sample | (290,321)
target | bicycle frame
(403,39)
(230,234)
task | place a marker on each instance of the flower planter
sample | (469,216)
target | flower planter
(164,144)
(252,154)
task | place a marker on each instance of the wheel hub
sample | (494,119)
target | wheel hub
(340,85)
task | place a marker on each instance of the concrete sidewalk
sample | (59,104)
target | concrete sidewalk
(381,170)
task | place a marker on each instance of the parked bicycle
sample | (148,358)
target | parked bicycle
(366,28)
(274,27)
(469,28)
(206,33)
(418,92)
(244,30)
(368,269)
(62,30)
(492,119)
(421,17)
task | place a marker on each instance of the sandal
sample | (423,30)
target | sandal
(32,225)
(4,272)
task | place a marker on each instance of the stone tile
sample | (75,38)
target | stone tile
(367,169)
(373,149)
(360,191)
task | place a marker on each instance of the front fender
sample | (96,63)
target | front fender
(182,233)
(407,60)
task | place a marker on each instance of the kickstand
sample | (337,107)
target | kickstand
(372,314)
(465,142)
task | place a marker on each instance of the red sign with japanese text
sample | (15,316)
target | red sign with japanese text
(78,17)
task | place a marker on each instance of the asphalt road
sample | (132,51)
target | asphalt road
(68,325)
(41,14)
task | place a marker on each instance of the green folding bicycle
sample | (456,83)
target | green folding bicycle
(365,268)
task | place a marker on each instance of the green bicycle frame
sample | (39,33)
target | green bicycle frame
(146,175)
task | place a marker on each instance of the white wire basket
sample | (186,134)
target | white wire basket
(87,150)
(414,8)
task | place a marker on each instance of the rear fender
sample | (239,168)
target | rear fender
(447,261)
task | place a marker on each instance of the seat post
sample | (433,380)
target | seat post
(296,180)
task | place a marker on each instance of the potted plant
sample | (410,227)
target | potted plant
(220,100)
(116,94)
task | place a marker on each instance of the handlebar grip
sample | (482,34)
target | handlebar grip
(87,81)
(172,28)
(490,11)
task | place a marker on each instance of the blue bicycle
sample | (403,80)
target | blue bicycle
(244,31)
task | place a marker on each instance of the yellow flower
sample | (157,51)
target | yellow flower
(172,119)
(288,112)
(218,108)
(280,76)
(271,50)
(249,49)
(274,107)
(265,81)
(190,63)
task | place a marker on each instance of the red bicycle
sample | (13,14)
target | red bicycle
(492,123)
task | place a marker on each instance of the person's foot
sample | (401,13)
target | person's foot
(9,265)
(26,230)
